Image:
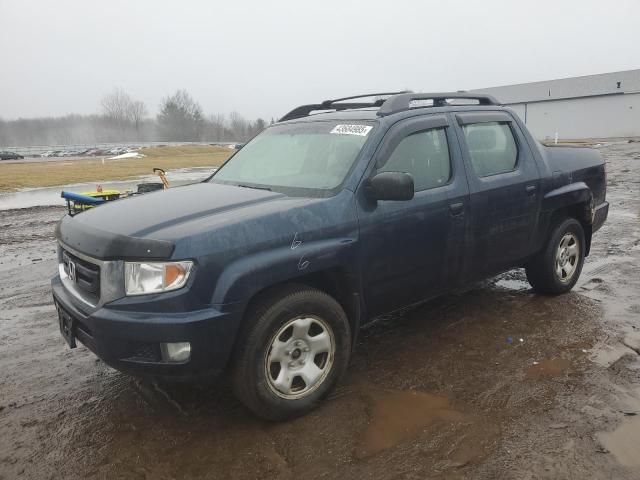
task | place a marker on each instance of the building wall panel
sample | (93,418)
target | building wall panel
(590,117)
(590,85)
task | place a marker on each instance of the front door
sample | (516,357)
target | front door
(412,250)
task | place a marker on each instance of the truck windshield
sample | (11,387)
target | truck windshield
(305,155)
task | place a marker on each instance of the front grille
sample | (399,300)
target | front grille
(85,275)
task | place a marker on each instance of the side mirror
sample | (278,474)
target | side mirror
(390,186)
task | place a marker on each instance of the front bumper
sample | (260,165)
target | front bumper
(129,340)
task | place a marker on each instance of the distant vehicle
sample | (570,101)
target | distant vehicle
(10,156)
(75,153)
(49,153)
(94,152)
(120,150)
(320,223)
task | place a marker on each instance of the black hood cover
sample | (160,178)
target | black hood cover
(106,245)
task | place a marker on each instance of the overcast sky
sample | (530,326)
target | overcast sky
(262,58)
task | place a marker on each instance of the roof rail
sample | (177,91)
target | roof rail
(402,102)
(305,110)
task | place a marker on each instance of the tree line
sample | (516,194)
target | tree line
(125,119)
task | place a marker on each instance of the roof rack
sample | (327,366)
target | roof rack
(402,102)
(305,110)
(397,102)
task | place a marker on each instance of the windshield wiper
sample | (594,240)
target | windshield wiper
(254,187)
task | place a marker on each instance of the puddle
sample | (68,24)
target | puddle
(630,402)
(603,266)
(632,340)
(607,355)
(400,415)
(513,284)
(36,197)
(513,280)
(624,442)
(551,367)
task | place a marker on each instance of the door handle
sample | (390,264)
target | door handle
(456,209)
(531,189)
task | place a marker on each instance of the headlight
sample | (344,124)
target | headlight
(156,277)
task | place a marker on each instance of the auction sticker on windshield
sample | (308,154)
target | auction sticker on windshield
(361,130)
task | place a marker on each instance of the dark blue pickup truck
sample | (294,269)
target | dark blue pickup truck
(340,212)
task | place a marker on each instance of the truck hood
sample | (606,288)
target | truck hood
(149,225)
(142,215)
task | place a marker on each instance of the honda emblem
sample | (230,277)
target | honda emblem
(72,271)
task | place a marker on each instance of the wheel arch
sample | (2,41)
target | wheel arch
(337,282)
(571,201)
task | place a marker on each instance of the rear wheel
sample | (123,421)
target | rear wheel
(295,348)
(556,268)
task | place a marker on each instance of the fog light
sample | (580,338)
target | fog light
(178,352)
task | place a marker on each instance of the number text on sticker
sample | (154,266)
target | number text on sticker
(361,130)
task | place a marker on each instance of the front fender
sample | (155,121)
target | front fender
(245,277)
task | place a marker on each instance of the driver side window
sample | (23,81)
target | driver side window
(425,156)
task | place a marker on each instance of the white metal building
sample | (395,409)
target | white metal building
(594,106)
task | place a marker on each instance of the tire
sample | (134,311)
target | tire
(288,332)
(556,268)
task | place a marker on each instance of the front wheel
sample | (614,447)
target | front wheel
(556,268)
(293,350)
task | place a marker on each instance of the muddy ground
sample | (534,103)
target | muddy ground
(492,382)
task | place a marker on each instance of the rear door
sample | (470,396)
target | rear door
(411,250)
(504,187)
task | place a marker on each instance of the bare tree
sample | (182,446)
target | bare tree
(116,108)
(136,114)
(218,127)
(123,118)
(258,126)
(239,126)
(124,114)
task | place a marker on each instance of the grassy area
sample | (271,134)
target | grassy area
(14,176)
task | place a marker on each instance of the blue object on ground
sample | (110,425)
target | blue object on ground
(76,197)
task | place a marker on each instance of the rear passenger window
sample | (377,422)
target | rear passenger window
(492,148)
(424,155)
